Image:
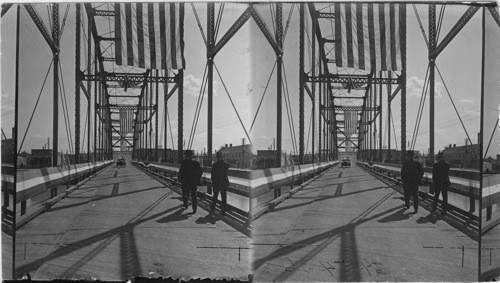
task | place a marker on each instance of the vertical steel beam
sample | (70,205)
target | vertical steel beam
(150,119)
(165,118)
(279,83)
(89,88)
(320,121)
(369,118)
(180,92)
(146,118)
(14,137)
(156,119)
(313,86)
(210,76)
(432,62)
(99,85)
(77,84)
(301,83)
(380,121)
(389,118)
(480,139)
(402,20)
(55,122)
(95,97)
(180,114)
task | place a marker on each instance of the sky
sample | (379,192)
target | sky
(245,64)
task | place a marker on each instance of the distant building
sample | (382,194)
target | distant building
(388,156)
(466,156)
(267,159)
(239,156)
(41,158)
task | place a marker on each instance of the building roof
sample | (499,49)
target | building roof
(490,159)
(461,149)
(236,148)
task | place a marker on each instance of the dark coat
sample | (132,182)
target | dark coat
(411,173)
(190,173)
(440,174)
(219,174)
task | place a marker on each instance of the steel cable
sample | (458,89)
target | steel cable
(456,111)
(36,105)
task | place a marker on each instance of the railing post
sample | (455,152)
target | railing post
(472,201)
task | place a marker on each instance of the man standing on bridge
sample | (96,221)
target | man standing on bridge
(189,176)
(441,180)
(411,176)
(220,182)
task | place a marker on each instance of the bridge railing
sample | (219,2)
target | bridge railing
(490,203)
(272,186)
(32,186)
(250,192)
(464,183)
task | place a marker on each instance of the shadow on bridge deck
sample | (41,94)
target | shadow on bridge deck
(349,226)
(123,224)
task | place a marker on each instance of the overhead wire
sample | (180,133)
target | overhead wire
(491,138)
(219,20)
(63,22)
(294,140)
(199,24)
(288,21)
(65,110)
(198,107)
(36,105)
(232,103)
(421,26)
(456,111)
(263,95)
(420,108)
(394,130)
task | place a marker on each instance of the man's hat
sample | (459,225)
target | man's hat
(439,155)
(410,153)
(188,152)
(219,154)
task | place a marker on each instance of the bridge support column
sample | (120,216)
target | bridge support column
(432,64)
(301,83)
(279,87)
(55,117)
(403,83)
(210,76)
(77,84)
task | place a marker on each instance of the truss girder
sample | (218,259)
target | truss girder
(495,15)
(41,27)
(341,78)
(140,78)
(126,107)
(455,30)
(321,15)
(265,30)
(104,13)
(230,32)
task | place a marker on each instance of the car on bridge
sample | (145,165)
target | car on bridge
(121,162)
(346,162)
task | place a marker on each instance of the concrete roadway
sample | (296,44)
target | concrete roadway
(123,224)
(348,226)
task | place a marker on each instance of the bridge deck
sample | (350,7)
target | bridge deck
(354,228)
(123,224)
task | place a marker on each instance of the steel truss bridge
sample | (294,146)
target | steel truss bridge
(104,90)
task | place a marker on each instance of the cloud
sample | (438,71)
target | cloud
(415,86)
(466,100)
(192,86)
